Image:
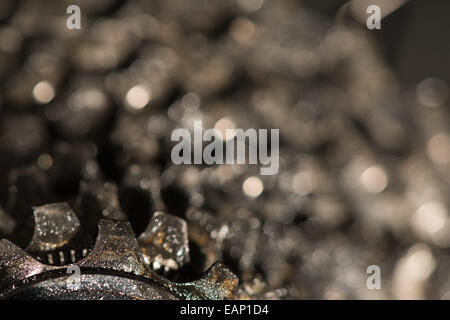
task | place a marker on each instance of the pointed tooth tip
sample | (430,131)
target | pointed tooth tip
(109,233)
(17,265)
(115,227)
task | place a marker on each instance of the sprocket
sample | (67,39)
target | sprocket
(118,266)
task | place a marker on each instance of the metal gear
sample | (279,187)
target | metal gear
(118,266)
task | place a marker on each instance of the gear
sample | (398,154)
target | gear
(119,266)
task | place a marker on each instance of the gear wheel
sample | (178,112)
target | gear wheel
(118,266)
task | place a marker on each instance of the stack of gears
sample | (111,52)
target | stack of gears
(87,179)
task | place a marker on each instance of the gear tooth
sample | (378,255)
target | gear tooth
(55,225)
(116,248)
(17,265)
(165,242)
(218,283)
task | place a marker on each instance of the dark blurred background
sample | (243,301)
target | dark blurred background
(412,39)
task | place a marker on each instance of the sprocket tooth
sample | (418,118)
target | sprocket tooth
(16,265)
(165,242)
(116,248)
(55,226)
(218,283)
